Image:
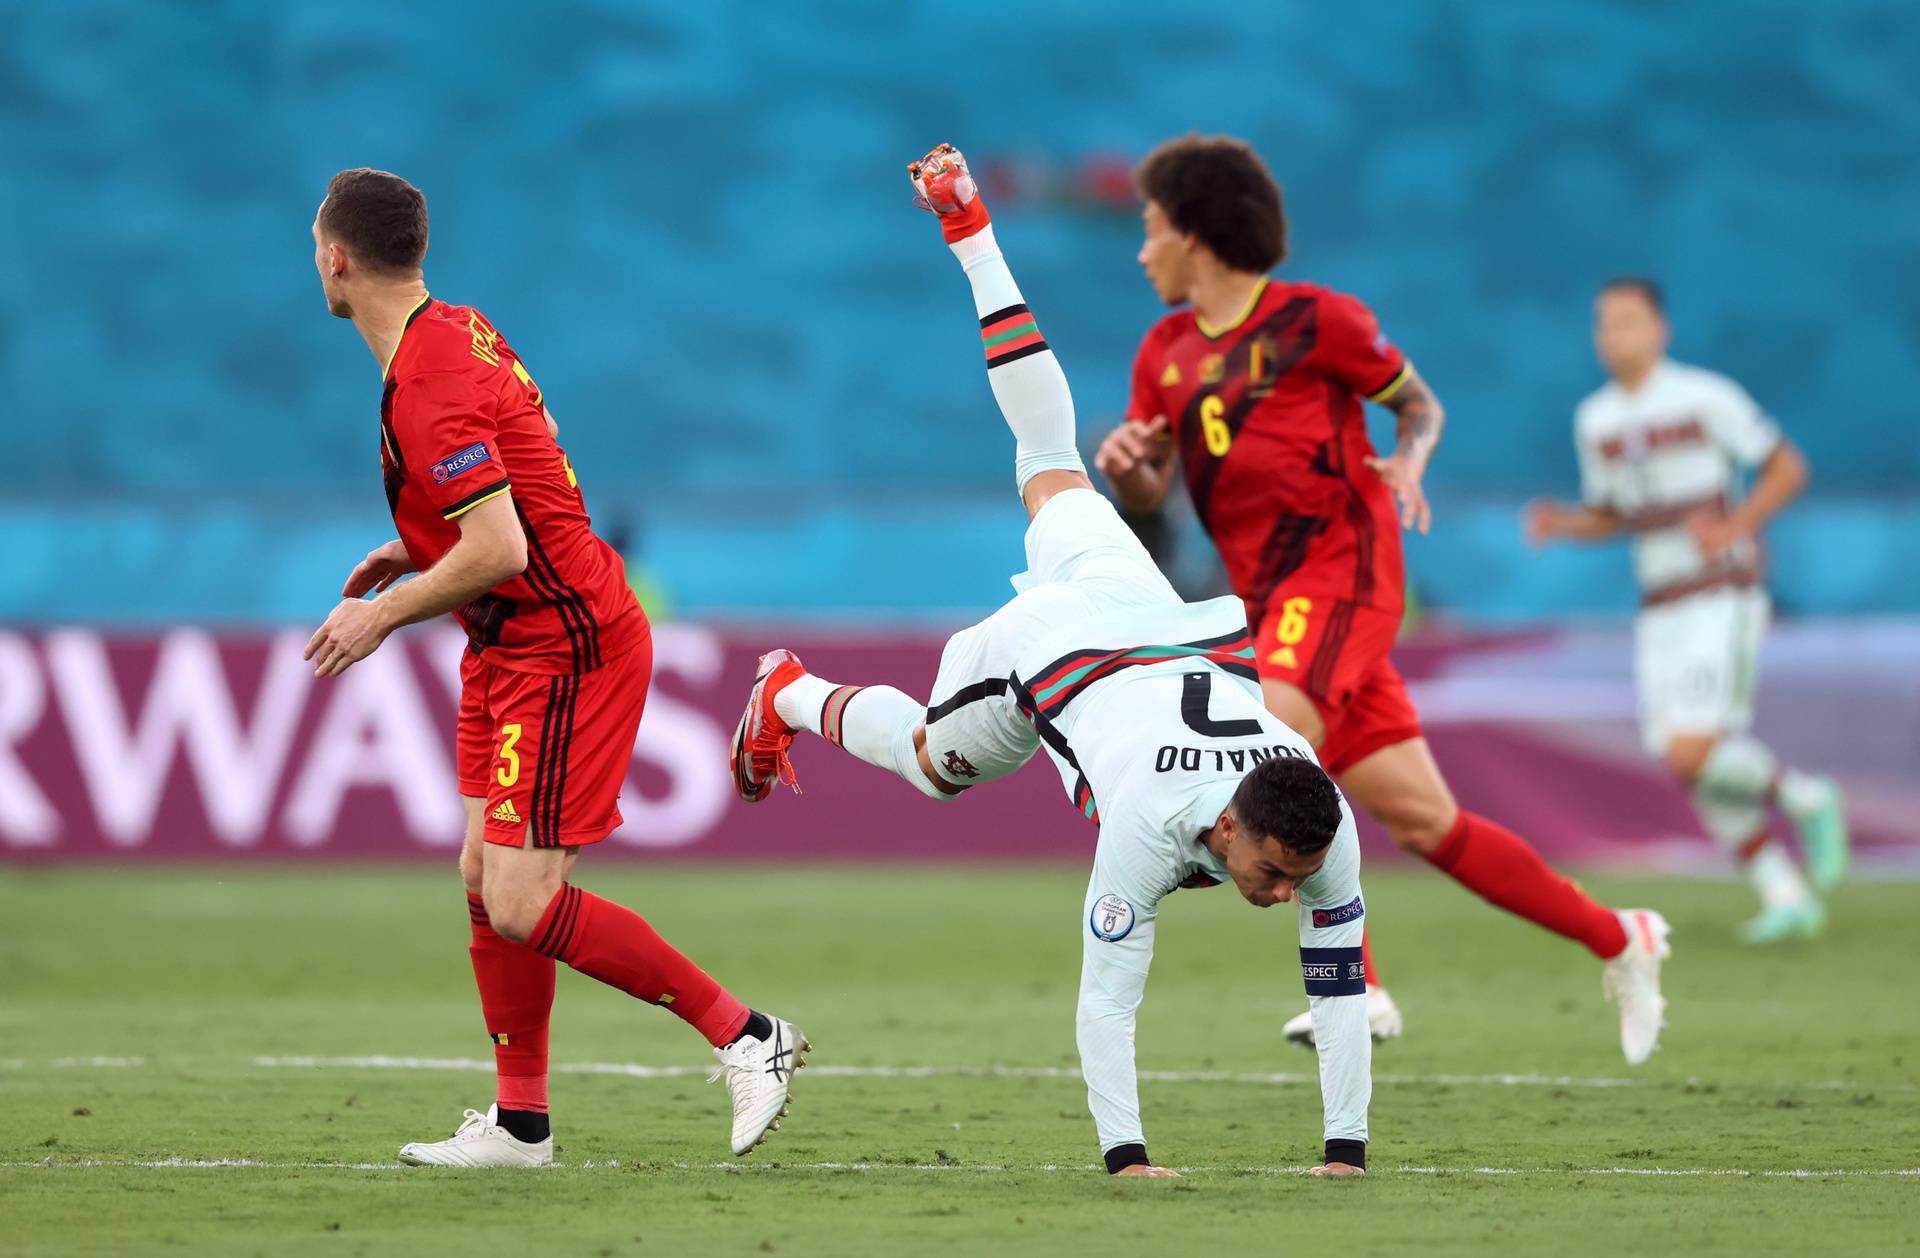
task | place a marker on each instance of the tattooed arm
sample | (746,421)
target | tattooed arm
(1421,419)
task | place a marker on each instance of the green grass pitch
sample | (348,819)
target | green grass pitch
(142,1015)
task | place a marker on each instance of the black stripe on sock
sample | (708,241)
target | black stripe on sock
(565,943)
(1008,313)
(560,930)
(1013,356)
(541,945)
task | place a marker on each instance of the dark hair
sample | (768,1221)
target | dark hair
(1217,189)
(1291,799)
(379,217)
(1638,284)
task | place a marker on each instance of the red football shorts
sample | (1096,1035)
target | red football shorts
(550,753)
(1335,652)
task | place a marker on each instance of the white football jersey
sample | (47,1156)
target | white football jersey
(1153,717)
(1666,451)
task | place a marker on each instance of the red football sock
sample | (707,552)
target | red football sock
(516,997)
(1366,960)
(1498,866)
(615,945)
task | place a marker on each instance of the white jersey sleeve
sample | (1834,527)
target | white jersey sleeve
(1735,421)
(1116,927)
(1332,919)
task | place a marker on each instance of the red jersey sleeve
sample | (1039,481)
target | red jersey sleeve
(1144,402)
(449,439)
(1352,349)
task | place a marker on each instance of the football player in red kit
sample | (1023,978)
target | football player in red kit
(1255,390)
(552,684)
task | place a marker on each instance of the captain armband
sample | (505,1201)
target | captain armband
(1333,971)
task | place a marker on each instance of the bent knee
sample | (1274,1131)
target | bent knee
(472,871)
(1418,825)
(1687,758)
(514,914)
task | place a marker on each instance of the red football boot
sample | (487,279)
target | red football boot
(759,757)
(944,186)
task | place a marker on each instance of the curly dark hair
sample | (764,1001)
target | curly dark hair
(1289,799)
(379,217)
(1217,189)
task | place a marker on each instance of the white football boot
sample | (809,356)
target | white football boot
(1632,981)
(480,1141)
(759,1075)
(1383,1019)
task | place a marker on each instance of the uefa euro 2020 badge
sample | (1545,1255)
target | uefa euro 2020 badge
(1111,919)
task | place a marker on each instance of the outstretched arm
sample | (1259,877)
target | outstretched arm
(1117,952)
(1332,920)
(1117,926)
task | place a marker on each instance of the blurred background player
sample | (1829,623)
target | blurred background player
(1257,388)
(1662,447)
(551,687)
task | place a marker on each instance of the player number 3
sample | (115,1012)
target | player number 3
(509,735)
(1213,425)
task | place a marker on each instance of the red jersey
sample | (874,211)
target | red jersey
(1267,418)
(461,423)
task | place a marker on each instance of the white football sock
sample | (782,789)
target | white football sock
(1775,878)
(1740,767)
(798,703)
(1028,384)
(1734,825)
(874,723)
(1801,793)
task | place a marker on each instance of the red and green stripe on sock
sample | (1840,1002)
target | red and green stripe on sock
(1010,334)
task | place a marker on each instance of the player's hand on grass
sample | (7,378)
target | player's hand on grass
(351,633)
(1129,446)
(1402,475)
(1337,1169)
(1157,1172)
(381,568)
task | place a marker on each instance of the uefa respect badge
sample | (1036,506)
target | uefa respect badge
(460,461)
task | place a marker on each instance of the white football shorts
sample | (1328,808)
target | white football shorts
(1695,663)
(1082,562)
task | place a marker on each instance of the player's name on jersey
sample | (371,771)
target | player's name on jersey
(1217,759)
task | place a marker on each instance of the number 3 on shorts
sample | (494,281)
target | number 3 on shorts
(509,735)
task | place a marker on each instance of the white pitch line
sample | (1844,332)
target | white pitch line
(634,1070)
(70,1063)
(980,1168)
